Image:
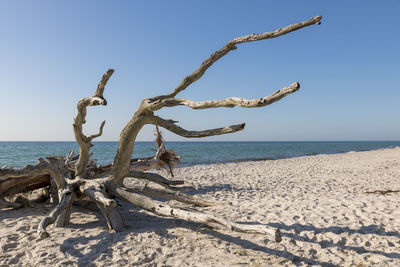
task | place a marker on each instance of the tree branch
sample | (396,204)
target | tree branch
(194,216)
(234,101)
(102,84)
(97,193)
(31,174)
(90,138)
(155,178)
(82,140)
(41,168)
(171,126)
(231,45)
(15,185)
(66,198)
(170,194)
(108,207)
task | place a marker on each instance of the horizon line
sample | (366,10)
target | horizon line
(199,141)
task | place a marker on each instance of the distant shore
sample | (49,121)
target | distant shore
(270,158)
(319,202)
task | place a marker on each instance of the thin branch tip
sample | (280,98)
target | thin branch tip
(102,84)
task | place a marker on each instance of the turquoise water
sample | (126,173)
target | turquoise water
(18,154)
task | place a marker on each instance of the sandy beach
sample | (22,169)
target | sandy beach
(319,203)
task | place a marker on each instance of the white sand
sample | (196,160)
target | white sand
(318,202)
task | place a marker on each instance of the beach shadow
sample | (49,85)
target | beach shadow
(73,246)
(138,222)
(214,188)
(10,213)
(86,251)
(143,222)
(370,229)
(246,244)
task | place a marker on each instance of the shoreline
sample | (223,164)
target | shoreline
(185,165)
(318,202)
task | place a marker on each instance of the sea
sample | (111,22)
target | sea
(18,154)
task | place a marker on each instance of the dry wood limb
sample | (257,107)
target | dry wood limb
(194,216)
(163,153)
(171,126)
(83,140)
(108,207)
(65,203)
(102,84)
(15,185)
(170,194)
(234,101)
(156,178)
(24,200)
(382,192)
(31,176)
(231,45)
(147,164)
(159,140)
(40,168)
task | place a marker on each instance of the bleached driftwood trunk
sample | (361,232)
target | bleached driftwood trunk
(77,177)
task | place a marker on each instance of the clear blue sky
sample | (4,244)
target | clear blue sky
(52,53)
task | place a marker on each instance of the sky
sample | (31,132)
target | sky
(52,53)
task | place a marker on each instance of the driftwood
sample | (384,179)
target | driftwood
(382,192)
(76,177)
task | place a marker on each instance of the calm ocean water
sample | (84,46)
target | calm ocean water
(18,154)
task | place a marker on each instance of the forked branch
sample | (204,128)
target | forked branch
(231,45)
(82,140)
(145,113)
